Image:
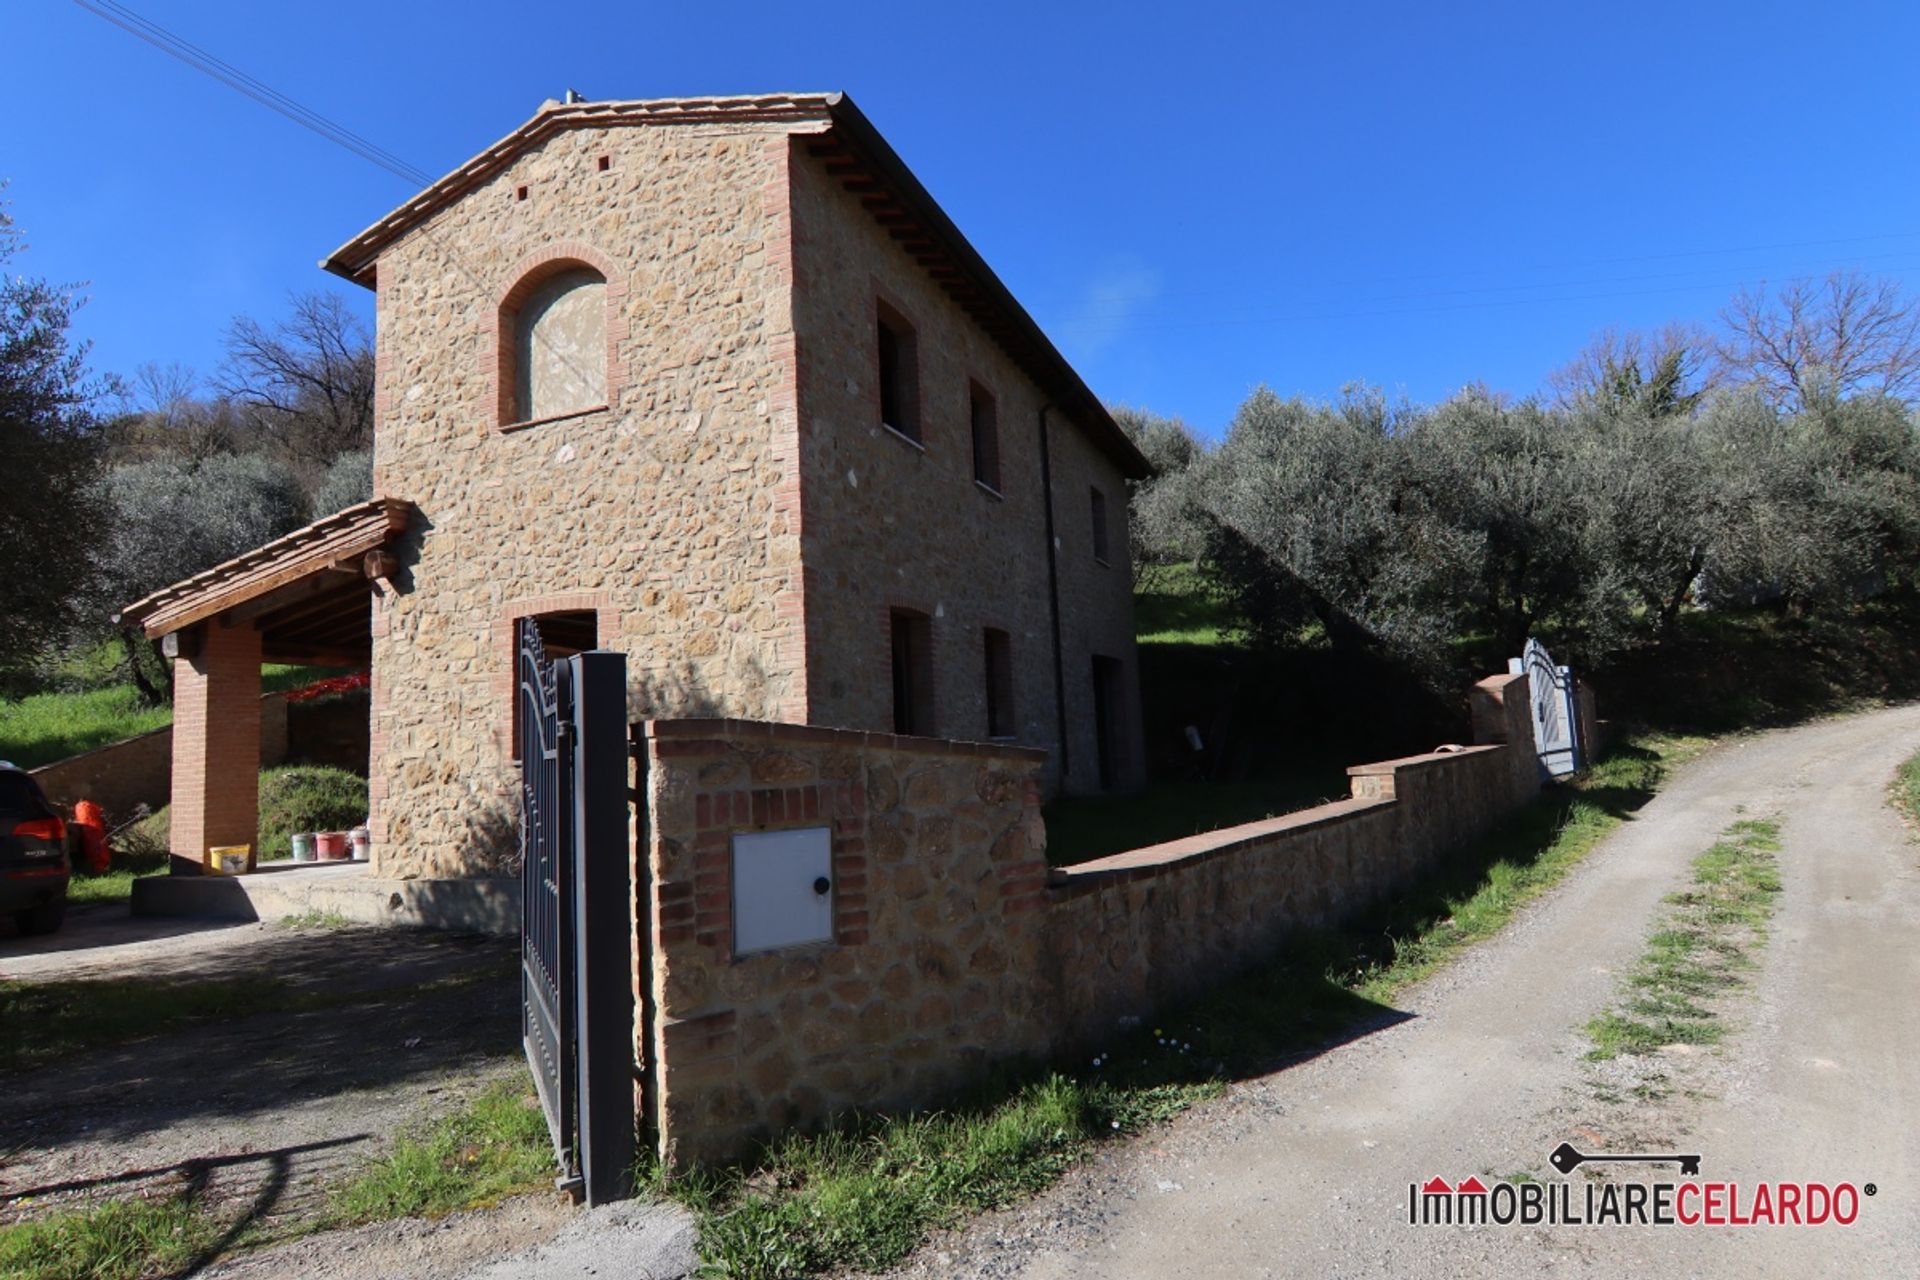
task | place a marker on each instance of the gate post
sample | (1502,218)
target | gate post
(603,938)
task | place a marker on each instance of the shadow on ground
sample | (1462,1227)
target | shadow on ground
(249,1072)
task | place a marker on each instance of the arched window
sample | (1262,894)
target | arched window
(558,352)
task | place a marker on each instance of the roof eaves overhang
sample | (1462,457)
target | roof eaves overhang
(338,541)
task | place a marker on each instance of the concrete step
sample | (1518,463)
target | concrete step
(344,889)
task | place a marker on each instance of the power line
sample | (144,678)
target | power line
(266,95)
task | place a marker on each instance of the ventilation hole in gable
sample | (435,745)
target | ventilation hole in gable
(520,194)
(605,163)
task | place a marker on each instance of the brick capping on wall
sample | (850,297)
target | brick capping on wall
(720,735)
(954,945)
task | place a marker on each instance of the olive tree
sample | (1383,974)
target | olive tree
(1164,526)
(50,439)
(1316,519)
(169,519)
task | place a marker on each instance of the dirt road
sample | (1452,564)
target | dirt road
(1305,1173)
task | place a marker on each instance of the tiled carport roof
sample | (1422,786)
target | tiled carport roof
(856,155)
(308,592)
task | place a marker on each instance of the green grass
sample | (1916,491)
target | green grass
(307,798)
(1176,605)
(44,727)
(493,1147)
(315,919)
(866,1193)
(1701,949)
(1080,828)
(117,1240)
(1906,788)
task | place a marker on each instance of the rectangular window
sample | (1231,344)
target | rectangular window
(911,639)
(1000,722)
(1100,546)
(986,436)
(899,373)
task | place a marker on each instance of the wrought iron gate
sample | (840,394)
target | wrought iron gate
(576,927)
(1555,708)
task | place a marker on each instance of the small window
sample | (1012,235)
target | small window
(562,635)
(986,436)
(1100,546)
(899,374)
(912,641)
(1000,722)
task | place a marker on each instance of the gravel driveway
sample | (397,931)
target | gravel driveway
(1305,1172)
(262,1110)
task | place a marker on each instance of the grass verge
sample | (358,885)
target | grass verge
(867,1193)
(492,1147)
(1704,944)
(117,1240)
(1906,788)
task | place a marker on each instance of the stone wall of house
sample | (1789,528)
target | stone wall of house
(894,523)
(668,513)
(953,945)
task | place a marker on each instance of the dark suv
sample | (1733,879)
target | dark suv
(33,854)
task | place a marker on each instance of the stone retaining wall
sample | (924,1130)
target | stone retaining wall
(953,945)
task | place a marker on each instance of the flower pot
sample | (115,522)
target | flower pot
(362,840)
(303,846)
(330,846)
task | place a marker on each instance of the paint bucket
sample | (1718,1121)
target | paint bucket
(303,846)
(330,846)
(228,859)
(362,840)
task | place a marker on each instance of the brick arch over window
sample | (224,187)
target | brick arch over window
(547,293)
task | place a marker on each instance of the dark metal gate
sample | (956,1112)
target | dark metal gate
(576,923)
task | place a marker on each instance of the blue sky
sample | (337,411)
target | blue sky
(1191,199)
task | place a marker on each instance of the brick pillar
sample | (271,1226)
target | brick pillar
(216,742)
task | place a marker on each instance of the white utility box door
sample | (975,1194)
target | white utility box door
(782,889)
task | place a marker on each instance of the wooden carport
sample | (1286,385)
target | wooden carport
(307,597)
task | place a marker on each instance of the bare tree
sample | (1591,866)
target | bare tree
(165,415)
(1843,336)
(309,378)
(1660,373)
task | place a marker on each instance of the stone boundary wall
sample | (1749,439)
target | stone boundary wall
(139,770)
(953,944)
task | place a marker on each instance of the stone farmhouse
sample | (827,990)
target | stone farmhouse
(713,382)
